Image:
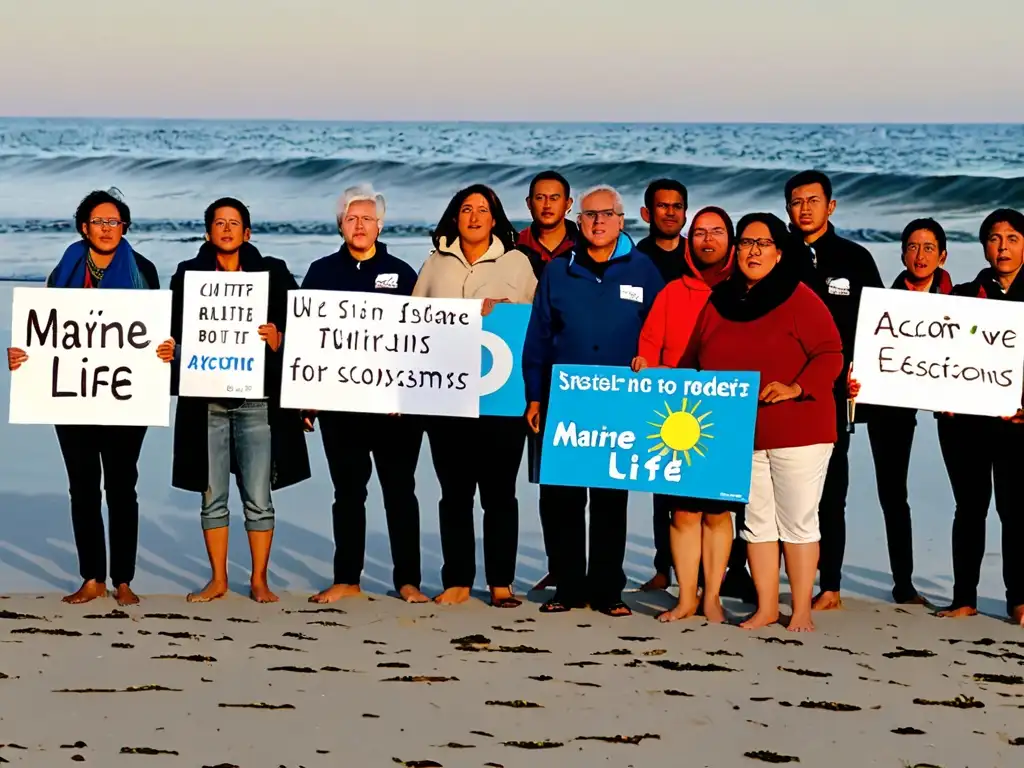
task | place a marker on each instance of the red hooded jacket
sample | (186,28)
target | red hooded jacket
(675,312)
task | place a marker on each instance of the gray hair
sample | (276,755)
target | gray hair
(359,193)
(618,207)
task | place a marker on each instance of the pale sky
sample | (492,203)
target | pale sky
(531,60)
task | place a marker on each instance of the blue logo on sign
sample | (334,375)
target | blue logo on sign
(671,431)
(502,392)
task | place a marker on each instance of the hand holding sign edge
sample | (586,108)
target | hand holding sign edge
(15,358)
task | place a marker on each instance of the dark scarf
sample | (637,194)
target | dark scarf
(734,301)
(941,282)
(122,272)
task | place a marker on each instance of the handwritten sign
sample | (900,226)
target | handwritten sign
(502,392)
(91,357)
(222,354)
(940,353)
(380,353)
(673,431)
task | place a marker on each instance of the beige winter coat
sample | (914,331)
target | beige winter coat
(498,274)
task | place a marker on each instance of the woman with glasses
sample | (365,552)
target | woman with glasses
(103,258)
(764,319)
(697,530)
(474,257)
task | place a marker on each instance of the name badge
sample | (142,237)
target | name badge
(631,293)
(389,280)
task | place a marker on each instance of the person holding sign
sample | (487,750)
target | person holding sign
(474,257)
(890,429)
(350,439)
(688,530)
(263,445)
(838,270)
(103,258)
(981,452)
(765,319)
(589,310)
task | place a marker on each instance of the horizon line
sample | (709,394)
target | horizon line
(498,121)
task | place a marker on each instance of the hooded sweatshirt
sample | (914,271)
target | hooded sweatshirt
(528,241)
(670,324)
(782,330)
(587,312)
(498,274)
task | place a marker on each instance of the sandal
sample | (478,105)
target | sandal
(554,605)
(506,602)
(616,610)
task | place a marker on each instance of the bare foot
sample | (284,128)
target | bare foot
(90,590)
(762,618)
(827,601)
(1018,615)
(336,592)
(260,592)
(124,595)
(412,594)
(453,596)
(502,597)
(658,582)
(215,590)
(801,622)
(682,611)
(713,610)
(957,613)
(545,583)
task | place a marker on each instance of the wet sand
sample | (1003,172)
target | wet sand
(376,682)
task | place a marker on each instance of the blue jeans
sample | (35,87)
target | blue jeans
(245,431)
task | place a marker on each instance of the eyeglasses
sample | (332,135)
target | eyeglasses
(746,243)
(112,223)
(595,215)
(368,221)
(704,234)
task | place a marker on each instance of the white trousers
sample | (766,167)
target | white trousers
(785,488)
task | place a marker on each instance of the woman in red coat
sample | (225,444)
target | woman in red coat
(764,319)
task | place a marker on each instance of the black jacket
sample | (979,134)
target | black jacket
(290,460)
(383,273)
(838,270)
(671,264)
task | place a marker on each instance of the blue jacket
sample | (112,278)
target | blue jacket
(579,318)
(340,272)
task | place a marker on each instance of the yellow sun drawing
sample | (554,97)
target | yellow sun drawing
(681,432)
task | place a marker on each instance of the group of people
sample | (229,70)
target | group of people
(758,295)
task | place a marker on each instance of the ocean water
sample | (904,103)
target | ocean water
(290,174)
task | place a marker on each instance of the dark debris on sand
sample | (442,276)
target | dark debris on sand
(804,672)
(904,653)
(517,704)
(533,744)
(146,751)
(908,731)
(620,739)
(677,666)
(960,702)
(766,756)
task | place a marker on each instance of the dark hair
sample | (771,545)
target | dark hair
(227,202)
(778,230)
(929,224)
(97,198)
(804,178)
(729,228)
(549,176)
(665,185)
(448,226)
(1001,216)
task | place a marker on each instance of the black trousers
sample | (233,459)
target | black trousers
(111,453)
(832,510)
(482,453)
(891,434)
(353,444)
(982,454)
(563,512)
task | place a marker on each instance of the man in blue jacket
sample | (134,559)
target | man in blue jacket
(351,439)
(588,310)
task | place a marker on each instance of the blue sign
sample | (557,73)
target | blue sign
(664,430)
(502,392)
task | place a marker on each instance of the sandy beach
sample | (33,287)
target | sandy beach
(376,682)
